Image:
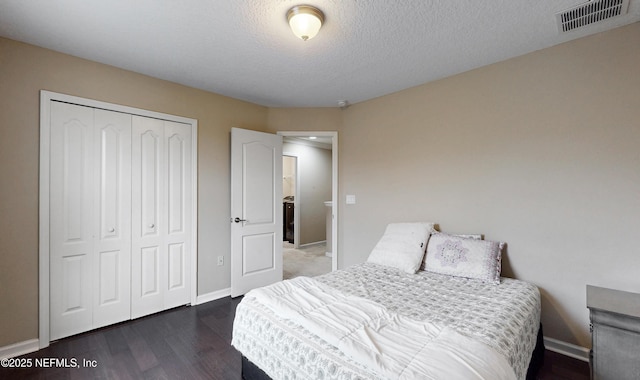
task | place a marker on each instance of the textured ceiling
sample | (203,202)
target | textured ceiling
(244,48)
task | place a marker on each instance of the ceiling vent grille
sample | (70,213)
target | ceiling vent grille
(589,13)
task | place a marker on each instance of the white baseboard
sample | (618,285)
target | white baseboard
(567,349)
(213,296)
(312,244)
(19,348)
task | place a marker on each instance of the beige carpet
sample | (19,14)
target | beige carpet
(307,261)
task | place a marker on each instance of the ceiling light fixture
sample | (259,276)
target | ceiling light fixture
(305,21)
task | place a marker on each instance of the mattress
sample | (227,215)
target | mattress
(504,317)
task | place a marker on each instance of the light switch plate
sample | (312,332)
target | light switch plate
(351,199)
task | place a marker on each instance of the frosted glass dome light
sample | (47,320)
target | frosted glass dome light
(305,21)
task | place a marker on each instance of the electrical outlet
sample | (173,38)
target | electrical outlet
(220,260)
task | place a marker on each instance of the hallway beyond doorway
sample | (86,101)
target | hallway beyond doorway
(305,261)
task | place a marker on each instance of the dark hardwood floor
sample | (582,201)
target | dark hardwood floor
(183,343)
(560,367)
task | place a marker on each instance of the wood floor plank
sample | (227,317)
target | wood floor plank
(185,343)
(142,353)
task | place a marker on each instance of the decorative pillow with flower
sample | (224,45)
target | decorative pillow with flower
(466,236)
(464,257)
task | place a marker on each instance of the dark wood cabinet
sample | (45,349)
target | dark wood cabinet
(287,217)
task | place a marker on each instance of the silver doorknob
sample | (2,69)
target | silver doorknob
(112,229)
(151,225)
(238,220)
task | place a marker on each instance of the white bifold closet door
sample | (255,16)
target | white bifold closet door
(161,215)
(90,227)
(120,214)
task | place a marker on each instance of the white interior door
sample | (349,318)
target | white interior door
(256,210)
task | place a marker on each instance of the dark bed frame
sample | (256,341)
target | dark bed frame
(251,371)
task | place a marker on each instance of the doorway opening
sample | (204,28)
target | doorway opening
(309,189)
(289,190)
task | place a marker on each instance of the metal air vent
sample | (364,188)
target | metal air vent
(589,13)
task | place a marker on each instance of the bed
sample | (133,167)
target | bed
(383,319)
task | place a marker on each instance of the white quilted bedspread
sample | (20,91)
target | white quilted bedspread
(467,313)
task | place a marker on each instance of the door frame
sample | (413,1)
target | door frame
(43,209)
(296,210)
(334,185)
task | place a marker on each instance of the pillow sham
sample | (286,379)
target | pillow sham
(402,246)
(466,236)
(464,257)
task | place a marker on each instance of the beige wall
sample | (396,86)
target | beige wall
(540,151)
(288,176)
(24,71)
(304,119)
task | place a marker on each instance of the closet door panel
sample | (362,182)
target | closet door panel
(150,177)
(178,167)
(148,265)
(112,197)
(176,260)
(71,216)
(108,278)
(150,273)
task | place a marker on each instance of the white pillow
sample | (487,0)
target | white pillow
(402,246)
(463,257)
